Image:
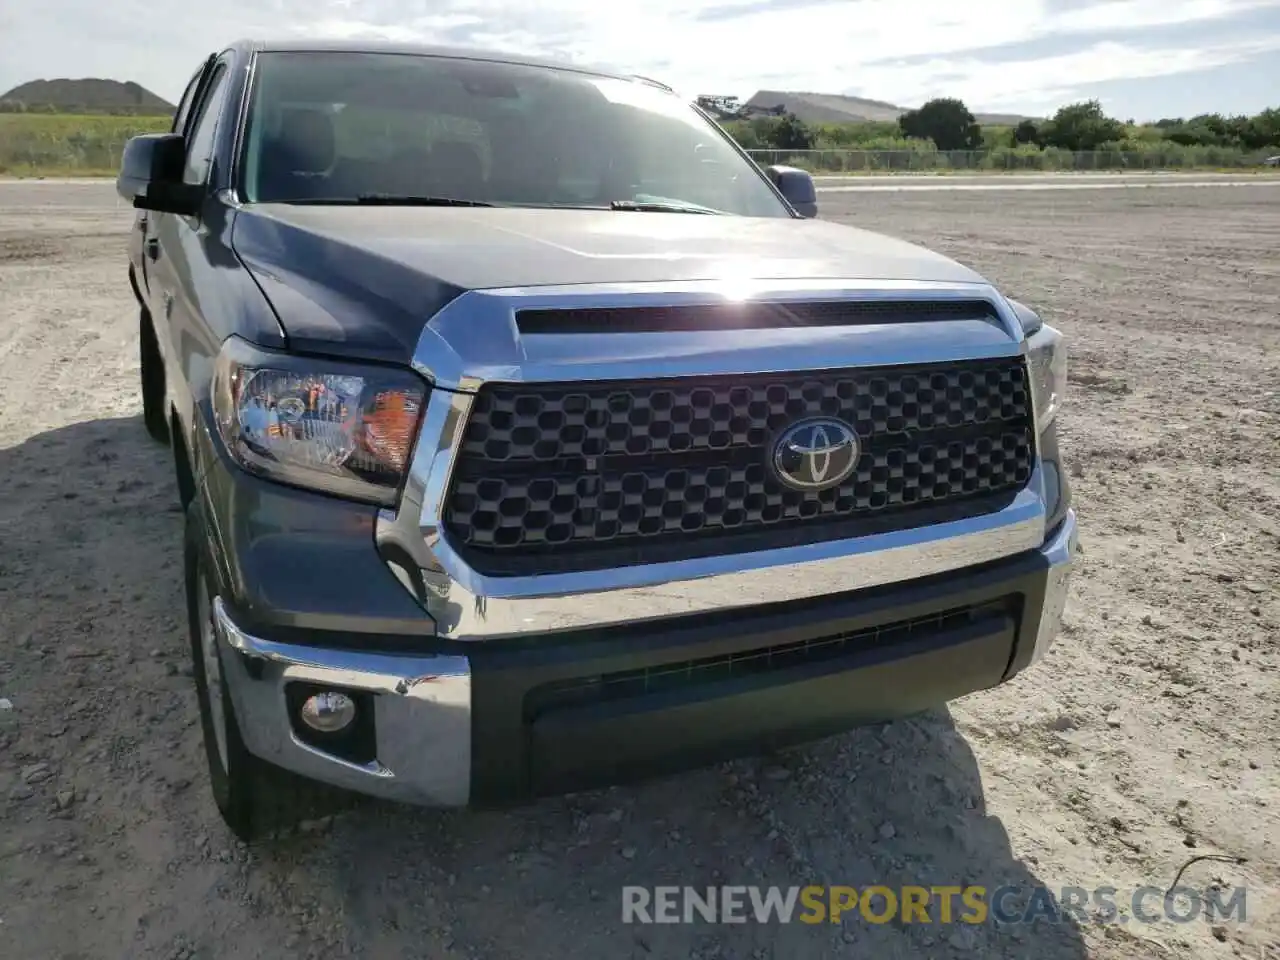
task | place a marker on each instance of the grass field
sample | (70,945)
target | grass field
(50,145)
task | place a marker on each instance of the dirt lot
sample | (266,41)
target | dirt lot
(1148,736)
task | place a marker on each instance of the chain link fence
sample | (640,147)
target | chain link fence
(1052,158)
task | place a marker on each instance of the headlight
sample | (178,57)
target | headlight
(335,427)
(1047,365)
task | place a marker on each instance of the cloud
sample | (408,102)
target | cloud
(1039,85)
(898,50)
(338,28)
(1136,14)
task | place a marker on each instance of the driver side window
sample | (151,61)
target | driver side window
(200,142)
(183,112)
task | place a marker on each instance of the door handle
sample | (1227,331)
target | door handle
(153,248)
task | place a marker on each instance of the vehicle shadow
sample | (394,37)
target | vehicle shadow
(891,806)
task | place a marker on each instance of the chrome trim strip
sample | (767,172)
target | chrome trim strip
(469,606)
(475,340)
(422,714)
(232,185)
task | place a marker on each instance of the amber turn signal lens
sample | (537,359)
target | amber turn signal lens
(389,427)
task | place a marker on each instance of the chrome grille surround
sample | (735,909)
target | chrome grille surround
(475,341)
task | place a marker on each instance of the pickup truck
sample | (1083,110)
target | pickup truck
(531,438)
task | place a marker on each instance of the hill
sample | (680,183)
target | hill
(89,95)
(836,108)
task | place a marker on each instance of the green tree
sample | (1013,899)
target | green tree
(791,133)
(744,133)
(1026,132)
(1082,126)
(1260,131)
(1193,134)
(946,121)
(1043,144)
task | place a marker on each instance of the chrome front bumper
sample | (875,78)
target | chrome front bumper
(422,714)
(423,708)
(1060,551)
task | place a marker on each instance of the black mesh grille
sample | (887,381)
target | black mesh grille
(575,476)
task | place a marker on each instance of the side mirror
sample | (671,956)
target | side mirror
(151,175)
(797,187)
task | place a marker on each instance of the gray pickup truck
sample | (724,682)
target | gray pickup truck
(532,438)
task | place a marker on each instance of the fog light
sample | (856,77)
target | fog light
(328,712)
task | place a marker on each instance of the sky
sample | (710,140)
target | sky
(1143,59)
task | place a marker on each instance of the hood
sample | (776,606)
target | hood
(369,278)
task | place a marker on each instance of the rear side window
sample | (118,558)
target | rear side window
(200,143)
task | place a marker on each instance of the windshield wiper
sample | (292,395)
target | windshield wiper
(660,206)
(411,200)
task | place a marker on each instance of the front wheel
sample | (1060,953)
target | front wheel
(256,799)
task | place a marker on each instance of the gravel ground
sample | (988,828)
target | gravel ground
(1149,735)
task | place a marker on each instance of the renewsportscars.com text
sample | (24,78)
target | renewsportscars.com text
(928,905)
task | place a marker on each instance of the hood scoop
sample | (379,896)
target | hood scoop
(752,315)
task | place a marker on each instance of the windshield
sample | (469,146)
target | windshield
(339,127)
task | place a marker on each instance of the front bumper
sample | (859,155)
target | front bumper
(486,724)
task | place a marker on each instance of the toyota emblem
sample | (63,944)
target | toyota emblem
(816,454)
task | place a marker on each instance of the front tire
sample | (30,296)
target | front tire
(256,799)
